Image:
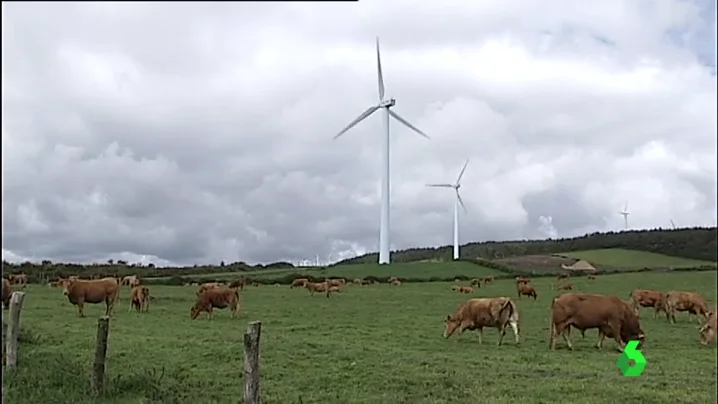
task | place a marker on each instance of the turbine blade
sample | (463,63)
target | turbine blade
(440,185)
(406,123)
(461,202)
(625,208)
(461,174)
(360,118)
(380,75)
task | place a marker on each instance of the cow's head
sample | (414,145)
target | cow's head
(194,311)
(66,284)
(451,324)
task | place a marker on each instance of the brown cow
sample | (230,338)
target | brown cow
(395,282)
(488,279)
(592,277)
(691,302)
(455,288)
(521,279)
(612,316)
(394,278)
(238,283)
(18,279)
(298,283)
(317,287)
(333,289)
(335,282)
(131,280)
(707,333)
(465,289)
(208,285)
(526,289)
(140,298)
(564,286)
(212,298)
(80,291)
(476,283)
(475,314)
(649,298)
(563,276)
(358,281)
(6,293)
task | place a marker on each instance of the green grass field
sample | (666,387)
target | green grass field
(618,257)
(374,344)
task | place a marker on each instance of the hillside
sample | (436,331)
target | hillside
(698,243)
(622,258)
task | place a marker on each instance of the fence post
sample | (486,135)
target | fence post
(251,362)
(98,367)
(13,329)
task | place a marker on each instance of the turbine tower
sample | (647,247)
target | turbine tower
(457,202)
(386,104)
(625,215)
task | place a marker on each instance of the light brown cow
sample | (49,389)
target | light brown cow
(465,289)
(238,283)
(475,314)
(335,282)
(218,298)
(6,293)
(707,332)
(564,286)
(80,291)
(476,283)
(521,279)
(358,281)
(610,314)
(208,285)
(317,287)
(488,279)
(394,278)
(298,283)
(692,302)
(649,298)
(140,298)
(395,282)
(131,280)
(526,289)
(455,288)
(333,289)
(18,279)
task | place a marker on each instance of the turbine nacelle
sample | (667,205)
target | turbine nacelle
(387,103)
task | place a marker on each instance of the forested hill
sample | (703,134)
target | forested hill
(696,243)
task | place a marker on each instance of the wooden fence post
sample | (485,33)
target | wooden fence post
(13,329)
(251,362)
(98,367)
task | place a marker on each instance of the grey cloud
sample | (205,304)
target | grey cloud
(190,133)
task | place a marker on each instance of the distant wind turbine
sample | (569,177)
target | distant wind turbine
(386,104)
(457,202)
(625,215)
(673,224)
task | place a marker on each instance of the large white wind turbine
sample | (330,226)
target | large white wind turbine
(386,104)
(625,215)
(457,202)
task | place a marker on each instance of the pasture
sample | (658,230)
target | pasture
(370,344)
(623,258)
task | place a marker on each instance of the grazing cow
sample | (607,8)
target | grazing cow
(316,287)
(564,286)
(358,281)
(526,289)
(79,292)
(395,282)
(708,331)
(6,293)
(18,279)
(394,278)
(298,283)
(592,277)
(649,298)
(131,280)
(465,289)
(612,316)
(215,298)
(476,283)
(335,282)
(140,298)
(563,276)
(475,314)
(691,302)
(488,279)
(521,279)
(208,285)
(333,289)
(237,284)
(455,288)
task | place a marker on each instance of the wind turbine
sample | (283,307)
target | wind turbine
(386,104)
(458,202)
(673,224)
(625,215)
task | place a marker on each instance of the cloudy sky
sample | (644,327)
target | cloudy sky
(194,133)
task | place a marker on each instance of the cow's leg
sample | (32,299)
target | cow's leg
(81,308)
(502,332)
(515,328)
(616,331)
(481,335)
(565,331)
(601,337)
(553,336)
